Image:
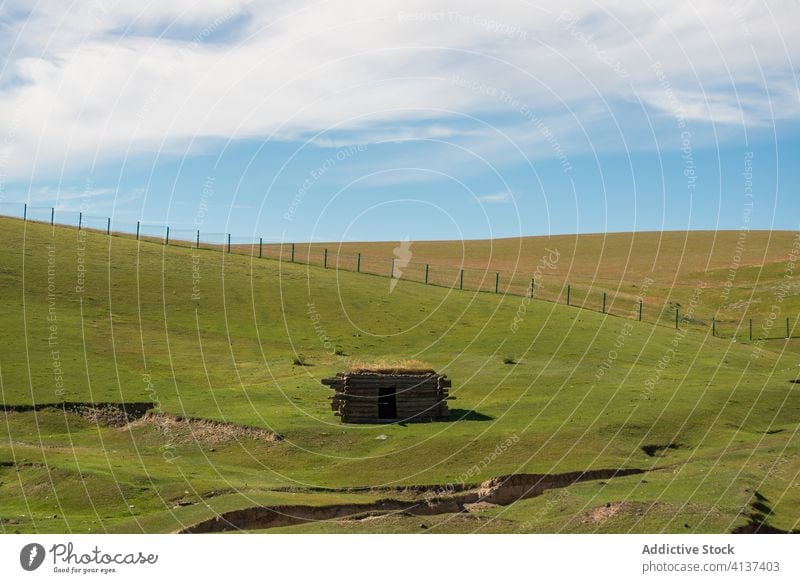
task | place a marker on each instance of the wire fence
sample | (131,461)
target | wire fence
(609,302)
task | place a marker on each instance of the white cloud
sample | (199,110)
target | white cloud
(59,197)
(87,81)
(497,198)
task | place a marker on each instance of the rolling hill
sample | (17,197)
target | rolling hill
(743,274)
(229,350)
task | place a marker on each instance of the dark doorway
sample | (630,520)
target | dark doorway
(387,403)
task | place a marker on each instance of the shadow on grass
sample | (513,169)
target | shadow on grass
(757,519)
(468,415)
(455,415)
(656,450)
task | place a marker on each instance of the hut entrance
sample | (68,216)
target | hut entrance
(369,396)
(387,403)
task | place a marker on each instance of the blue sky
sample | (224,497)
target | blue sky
(332,121)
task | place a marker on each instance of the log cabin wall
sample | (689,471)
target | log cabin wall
(389,398)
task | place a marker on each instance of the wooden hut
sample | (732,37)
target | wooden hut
(381,397)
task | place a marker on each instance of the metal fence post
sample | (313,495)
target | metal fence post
(80,220)
(108,226)
(461,282)
(166,239)
(788,333)
(713,326)
(640,310)
(197,240)
(358,264)
(24,212)
(568,290)
(52,216)
(426,273)
(137,230)
(292,252)
(260,246)
(325,259)
(750,335)
(677,315)
(604,302)
(496,282)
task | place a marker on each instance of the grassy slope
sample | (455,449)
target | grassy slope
(753,264)
(228,355)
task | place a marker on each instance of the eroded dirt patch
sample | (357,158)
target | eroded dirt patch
(112,414)
(604,512)
(194,429)
(138,414)
(508,489)
(501,490)
(479,506)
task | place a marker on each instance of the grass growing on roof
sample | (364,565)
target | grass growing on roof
(386,366)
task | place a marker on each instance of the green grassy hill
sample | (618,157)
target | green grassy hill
(744,274)
(90,318)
